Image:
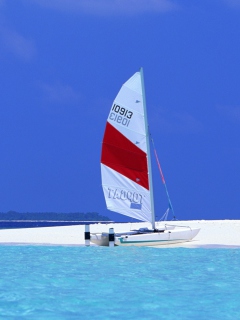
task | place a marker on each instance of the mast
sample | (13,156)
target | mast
(148,150)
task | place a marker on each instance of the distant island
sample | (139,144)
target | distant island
(53,216)
(17,220)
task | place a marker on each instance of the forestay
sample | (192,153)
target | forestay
(124,166)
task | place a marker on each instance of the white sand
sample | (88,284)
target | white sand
(213,233)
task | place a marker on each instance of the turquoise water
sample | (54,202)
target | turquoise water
(40,282)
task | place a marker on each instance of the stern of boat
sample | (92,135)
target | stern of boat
(100,239)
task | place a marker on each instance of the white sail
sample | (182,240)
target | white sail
(126,171)
(124,165)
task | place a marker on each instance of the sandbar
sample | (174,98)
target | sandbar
(213,234)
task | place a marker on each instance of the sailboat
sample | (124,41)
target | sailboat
(126,170)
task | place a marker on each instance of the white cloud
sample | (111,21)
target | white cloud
(176,122)
(231,112)
(109,7)
(11,40)
(16,43)
(59,93)
(233,3)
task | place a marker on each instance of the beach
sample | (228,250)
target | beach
(213,234)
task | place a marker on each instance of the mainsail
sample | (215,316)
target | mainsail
(124,161)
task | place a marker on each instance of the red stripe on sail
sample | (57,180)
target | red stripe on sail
(121,155)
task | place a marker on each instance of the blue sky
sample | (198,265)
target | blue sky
(62,64)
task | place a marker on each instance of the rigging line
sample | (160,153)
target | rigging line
(165,215)
(162,177)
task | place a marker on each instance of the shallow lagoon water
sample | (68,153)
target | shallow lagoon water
(57,282)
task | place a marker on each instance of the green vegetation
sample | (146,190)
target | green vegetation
(53,216)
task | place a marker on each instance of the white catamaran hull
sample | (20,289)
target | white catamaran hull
(100,239)
(147,239)
(156,239)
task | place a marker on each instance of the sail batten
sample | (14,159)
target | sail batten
(124,162)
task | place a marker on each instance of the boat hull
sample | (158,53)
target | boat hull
(100,239)
(156,239)
(147,239)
